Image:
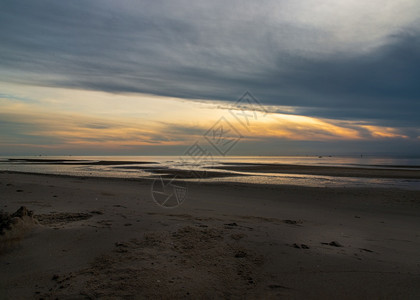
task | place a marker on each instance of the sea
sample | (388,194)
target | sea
(70,167)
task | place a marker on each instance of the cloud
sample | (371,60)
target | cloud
(24,124)
(49,130)
(339,60)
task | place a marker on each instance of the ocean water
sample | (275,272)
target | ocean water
(139,169)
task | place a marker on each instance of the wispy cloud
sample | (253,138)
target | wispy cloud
(352,59)
(35,126)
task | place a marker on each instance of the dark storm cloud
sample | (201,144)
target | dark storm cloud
(173,49)
(382,85)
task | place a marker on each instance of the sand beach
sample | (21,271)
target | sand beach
(106,238)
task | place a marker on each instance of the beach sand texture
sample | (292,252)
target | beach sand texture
(106,238)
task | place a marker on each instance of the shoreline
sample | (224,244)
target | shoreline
(203,181)
(241,169)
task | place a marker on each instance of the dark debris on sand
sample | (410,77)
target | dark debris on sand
(333,243)
(61,218)
(7,220)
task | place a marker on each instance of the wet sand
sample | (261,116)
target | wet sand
(106,238)
(407,172)
(74,162)
(239,169)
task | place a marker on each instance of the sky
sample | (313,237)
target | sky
(330,77)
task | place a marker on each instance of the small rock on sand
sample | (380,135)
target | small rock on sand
(333,243)
(301,246)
